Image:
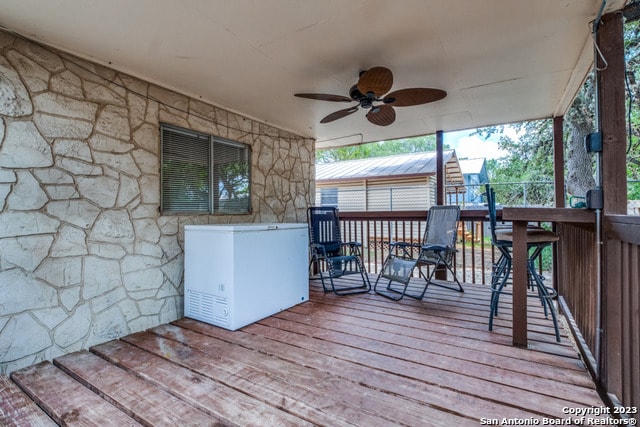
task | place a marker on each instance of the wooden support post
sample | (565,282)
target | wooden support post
(520,256)
(441,274)
(440,188)
(558,161)
(611,110)
(558,180)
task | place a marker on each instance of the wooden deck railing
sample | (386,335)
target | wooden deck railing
(619,367)
(578,284)
(611,332)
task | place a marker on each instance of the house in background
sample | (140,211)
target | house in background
(390,183)
(474,172)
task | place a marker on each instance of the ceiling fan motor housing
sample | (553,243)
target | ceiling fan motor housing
(366,101)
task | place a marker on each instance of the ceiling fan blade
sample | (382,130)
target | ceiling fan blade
(382,115)
(414,96)
(377,80)
(324,97)
(339,114)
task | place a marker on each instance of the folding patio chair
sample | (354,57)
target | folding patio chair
(331,255)
(436,251)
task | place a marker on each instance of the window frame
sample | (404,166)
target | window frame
(329,196)
(214,143)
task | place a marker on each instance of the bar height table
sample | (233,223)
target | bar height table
(520,218)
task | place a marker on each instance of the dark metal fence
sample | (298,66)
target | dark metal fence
(375,230)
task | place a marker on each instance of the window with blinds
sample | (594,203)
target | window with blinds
(203,173)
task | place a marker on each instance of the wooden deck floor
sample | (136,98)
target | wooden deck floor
(355,360)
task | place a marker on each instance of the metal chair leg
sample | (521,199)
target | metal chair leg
(502,277)
(388,289)
(330,268)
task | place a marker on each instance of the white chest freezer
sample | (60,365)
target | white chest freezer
(237,274)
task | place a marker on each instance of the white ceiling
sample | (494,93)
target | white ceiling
(500,61)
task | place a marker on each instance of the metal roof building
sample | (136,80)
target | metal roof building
(402,166)
(400,182)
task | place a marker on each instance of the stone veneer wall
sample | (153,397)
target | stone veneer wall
(85,255)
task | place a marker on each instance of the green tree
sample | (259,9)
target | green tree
(632,57)
(529,159)
(579,122)
(378,149)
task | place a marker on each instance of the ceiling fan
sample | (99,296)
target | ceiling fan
(371,88)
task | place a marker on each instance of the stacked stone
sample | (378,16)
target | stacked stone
(85,253)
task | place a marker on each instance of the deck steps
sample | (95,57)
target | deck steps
(66,400)
(17,409)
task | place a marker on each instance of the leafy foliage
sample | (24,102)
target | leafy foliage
(233,185)
(632,57)
(378,149)
(530,159)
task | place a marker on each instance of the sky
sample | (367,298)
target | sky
(472,147)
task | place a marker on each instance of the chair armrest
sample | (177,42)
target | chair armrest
(405,244)
(352,244)
(319,249)
(435,247)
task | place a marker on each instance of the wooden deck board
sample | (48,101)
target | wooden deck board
(17,409)
(448,357)
(251,381)
(341,398)
(197,389)
(354,360)
(67,401)
(140,399)
(411,321)
(400,361)
(276,341)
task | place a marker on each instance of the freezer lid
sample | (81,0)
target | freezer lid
(246,227)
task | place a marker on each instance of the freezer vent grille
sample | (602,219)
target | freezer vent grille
(208,308)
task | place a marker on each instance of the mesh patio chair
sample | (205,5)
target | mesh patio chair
(333,257)
(436,251)
(538,239)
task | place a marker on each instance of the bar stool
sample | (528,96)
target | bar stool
(538,239)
